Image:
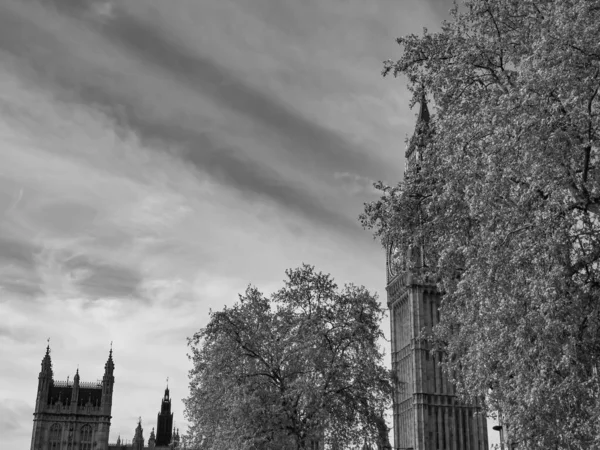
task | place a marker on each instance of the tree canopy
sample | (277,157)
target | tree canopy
(286,371)
(505,199)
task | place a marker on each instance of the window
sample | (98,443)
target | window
(55,435)
(86,437)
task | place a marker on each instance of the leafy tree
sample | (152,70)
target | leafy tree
(282,372)
(505,198)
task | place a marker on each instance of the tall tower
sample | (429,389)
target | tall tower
(427,415)
(71,414)
(164,423)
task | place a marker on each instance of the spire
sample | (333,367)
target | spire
(423,110)
(152,439)
(109,367)
(167,390)
(76,377)
(119,440)
(47,361)
(138,438)
(417,141)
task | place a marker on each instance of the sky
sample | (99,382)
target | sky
(157,157)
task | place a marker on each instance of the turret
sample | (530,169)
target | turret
(45,379)
(152,440)
(164,421)
(75,392)
(138,438)
(108,381)
(175,437)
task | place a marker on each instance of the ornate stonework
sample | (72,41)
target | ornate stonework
(426,412)
(72,414)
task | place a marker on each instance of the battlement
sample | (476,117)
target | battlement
(91,384)
(82,384)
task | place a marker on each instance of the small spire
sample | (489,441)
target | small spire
(47,361)
(417,140)
(110,365)
(423,110)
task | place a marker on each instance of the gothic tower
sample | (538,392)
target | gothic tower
(138,439)
(426,412)
(72,414)
(164,423)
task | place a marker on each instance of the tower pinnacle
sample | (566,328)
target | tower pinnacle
(423,110)
(47,361)
(109,367)
(417,141)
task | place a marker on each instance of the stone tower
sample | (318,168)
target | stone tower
(138,438)
(426,413)
(152,439)
(164,423)
(72,414)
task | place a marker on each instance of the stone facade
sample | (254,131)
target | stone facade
(75,415)
(427,415)
(72,415)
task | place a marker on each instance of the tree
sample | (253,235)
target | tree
(505,198)
(281,372)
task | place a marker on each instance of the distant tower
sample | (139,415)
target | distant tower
(176,438)
(138,438)
(72,414)
(164,423)
(426,412)
(152,440)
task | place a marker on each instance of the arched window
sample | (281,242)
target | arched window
(55,436)
(86,437)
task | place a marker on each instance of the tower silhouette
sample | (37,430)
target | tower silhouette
(427,414)
(164,423)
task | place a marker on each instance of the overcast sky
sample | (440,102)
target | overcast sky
(158,156)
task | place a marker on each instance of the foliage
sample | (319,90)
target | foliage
(277,373)
(505,198)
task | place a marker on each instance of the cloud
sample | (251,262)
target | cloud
(98,279)
(18,269)
(208,152)
(66,217)
(14,414)
(152,44)
(356,184)
(17,252)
